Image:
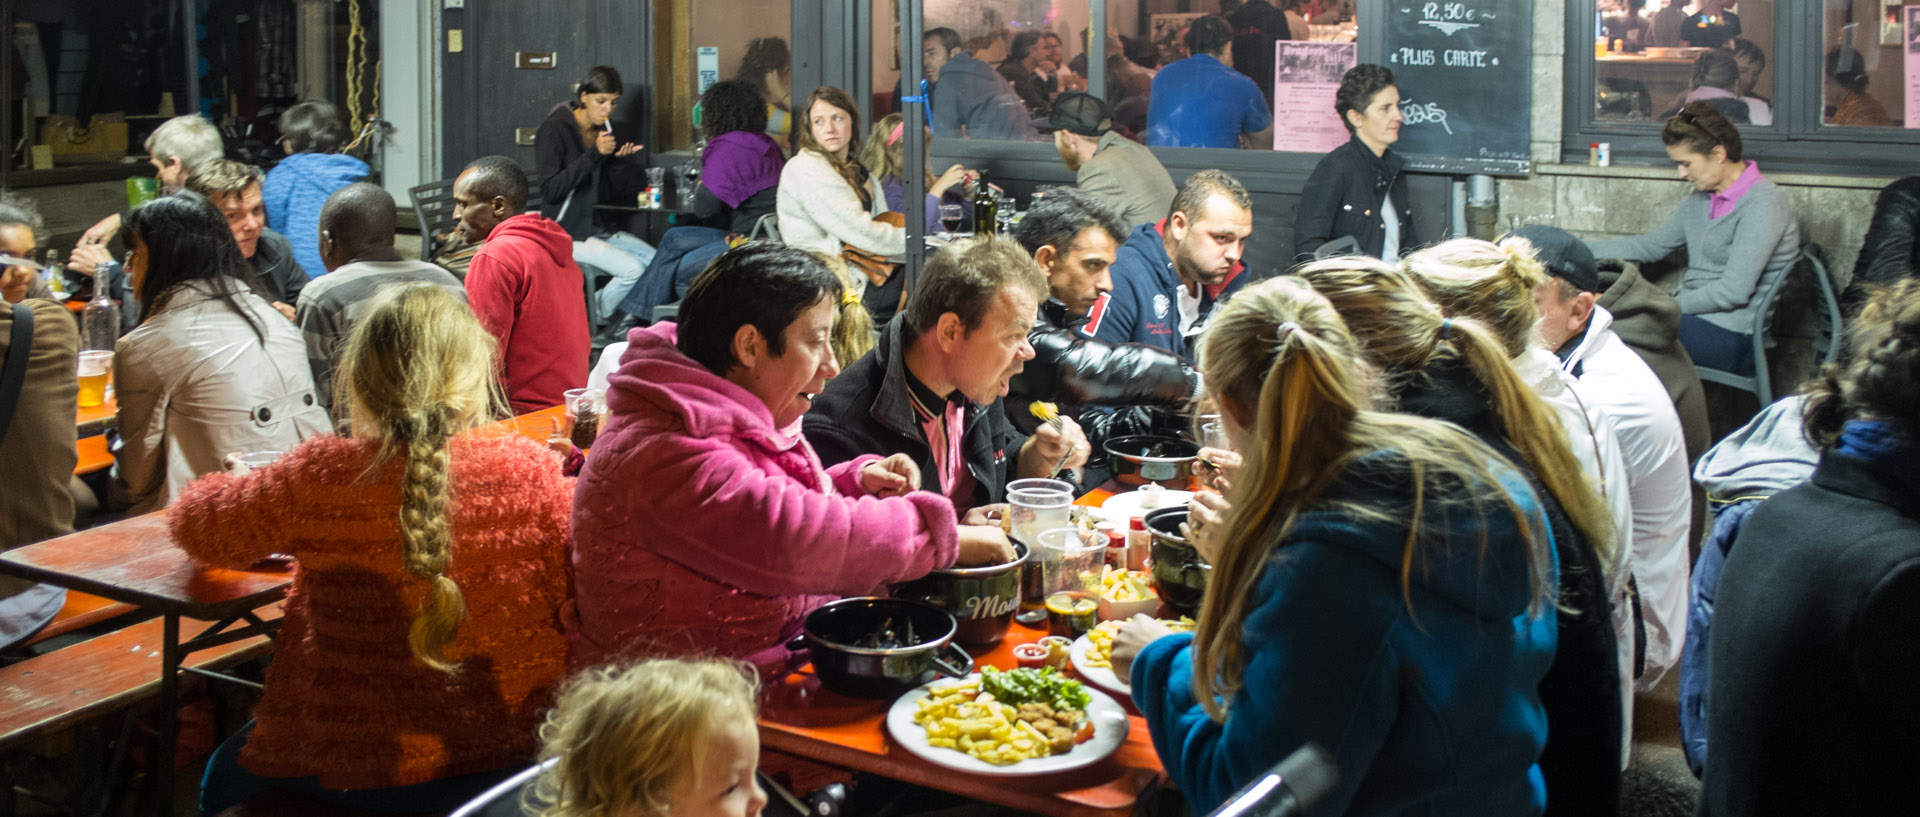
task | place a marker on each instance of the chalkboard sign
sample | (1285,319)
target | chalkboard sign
(1465,69)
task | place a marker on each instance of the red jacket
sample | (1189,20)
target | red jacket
(527,291)
(345,699)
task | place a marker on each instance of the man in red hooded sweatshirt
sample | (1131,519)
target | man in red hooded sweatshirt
(523,285)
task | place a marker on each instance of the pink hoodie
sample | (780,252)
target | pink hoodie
(699,528)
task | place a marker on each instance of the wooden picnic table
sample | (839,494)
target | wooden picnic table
(91,420)
(803,718)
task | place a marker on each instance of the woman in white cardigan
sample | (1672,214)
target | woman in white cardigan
(827,199)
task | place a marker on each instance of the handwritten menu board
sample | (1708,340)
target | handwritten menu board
(1465,71)
(1306,76)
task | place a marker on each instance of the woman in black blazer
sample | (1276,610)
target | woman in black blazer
(1359,191)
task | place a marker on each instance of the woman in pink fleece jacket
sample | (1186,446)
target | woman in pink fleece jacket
(703,522)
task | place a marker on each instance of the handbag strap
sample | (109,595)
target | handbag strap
(14,377)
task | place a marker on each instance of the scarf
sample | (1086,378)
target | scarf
(1885,449)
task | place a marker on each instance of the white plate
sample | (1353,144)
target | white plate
(1099,677)
(1109,731)
(1124,506)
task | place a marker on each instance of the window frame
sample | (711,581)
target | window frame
(1797,142)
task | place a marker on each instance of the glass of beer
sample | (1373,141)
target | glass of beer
(96,368)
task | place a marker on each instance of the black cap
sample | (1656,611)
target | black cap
(1563,255)
(1084,114)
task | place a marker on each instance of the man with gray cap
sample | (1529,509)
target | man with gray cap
(1116,171)
(1579,330)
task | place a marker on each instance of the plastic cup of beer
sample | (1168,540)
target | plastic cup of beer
(96,369)
(1070,561)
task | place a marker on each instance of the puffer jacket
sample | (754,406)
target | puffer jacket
(1074,370)
(699,528)
(195,384)
(296,189)
(1766,456)
(1890,252)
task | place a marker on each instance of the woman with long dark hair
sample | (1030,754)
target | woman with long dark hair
(213,369)
(830,202)
(578,163)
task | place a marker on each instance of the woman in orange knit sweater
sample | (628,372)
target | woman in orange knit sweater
(421,639)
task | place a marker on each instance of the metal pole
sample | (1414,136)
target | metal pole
(6,111)
(912,106)
(1097,49)
(190,31)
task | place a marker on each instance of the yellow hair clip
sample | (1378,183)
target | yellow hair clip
(849,298)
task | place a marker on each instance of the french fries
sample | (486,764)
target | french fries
(1100,640)
(961,718)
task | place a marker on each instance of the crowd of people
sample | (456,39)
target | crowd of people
(1450,538)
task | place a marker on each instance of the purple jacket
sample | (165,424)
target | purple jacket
(699,528)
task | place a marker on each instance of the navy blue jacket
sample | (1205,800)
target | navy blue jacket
(1144,306)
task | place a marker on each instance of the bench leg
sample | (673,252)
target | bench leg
(169,738)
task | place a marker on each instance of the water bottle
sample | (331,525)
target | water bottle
(56,277)
(100,321)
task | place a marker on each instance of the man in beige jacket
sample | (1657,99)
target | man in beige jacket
(1116,171)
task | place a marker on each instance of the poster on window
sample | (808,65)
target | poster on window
(1306,76)
(1913,66)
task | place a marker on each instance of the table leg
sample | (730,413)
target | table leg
(170,658)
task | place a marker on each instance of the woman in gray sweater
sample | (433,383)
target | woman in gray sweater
(1740,233)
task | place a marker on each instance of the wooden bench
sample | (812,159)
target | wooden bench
(94,455)
(81,610)
(104,674)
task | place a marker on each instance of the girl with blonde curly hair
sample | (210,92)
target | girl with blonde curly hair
(663,738)
(422,633)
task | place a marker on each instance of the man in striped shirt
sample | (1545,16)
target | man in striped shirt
(356,244)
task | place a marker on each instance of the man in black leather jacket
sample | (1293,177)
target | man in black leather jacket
(1891,250)
(1107,387)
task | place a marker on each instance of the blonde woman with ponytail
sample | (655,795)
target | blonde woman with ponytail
(1383,587)
(1494,284)
(1454,369)
(422,634)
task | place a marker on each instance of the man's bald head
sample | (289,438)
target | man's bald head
(355,219)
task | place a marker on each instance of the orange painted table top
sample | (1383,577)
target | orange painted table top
(91,420)
(803,718)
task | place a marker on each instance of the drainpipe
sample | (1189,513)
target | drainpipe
(1483,207)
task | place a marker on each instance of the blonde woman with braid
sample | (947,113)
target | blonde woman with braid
(1383,587)
(1453,369)
(421,637)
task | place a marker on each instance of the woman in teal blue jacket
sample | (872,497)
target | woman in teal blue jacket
(1382,586)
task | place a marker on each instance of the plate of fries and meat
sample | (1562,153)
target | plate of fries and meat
(1012,723)
(1092,654)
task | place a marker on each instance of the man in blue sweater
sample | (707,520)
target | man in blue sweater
(1169,276)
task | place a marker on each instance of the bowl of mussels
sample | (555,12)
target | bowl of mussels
(870,647)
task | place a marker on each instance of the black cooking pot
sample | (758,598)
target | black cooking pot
(1168,462)
(1179,574)
(879,648)
(982,599)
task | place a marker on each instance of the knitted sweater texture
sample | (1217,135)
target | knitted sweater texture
(345,699)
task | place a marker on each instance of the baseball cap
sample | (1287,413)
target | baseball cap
(1084,114)
(1563,255)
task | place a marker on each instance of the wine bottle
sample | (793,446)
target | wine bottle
(985,211)
(100,321)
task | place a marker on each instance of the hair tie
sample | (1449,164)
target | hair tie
(1446,328)
(849,298)
(893,137)
(1284,331)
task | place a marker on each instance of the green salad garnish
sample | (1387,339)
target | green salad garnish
(1027,685)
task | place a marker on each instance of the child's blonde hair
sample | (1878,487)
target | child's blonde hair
(626,736)
(417,370)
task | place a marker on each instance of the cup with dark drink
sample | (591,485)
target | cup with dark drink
(950,216)
(586,410)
